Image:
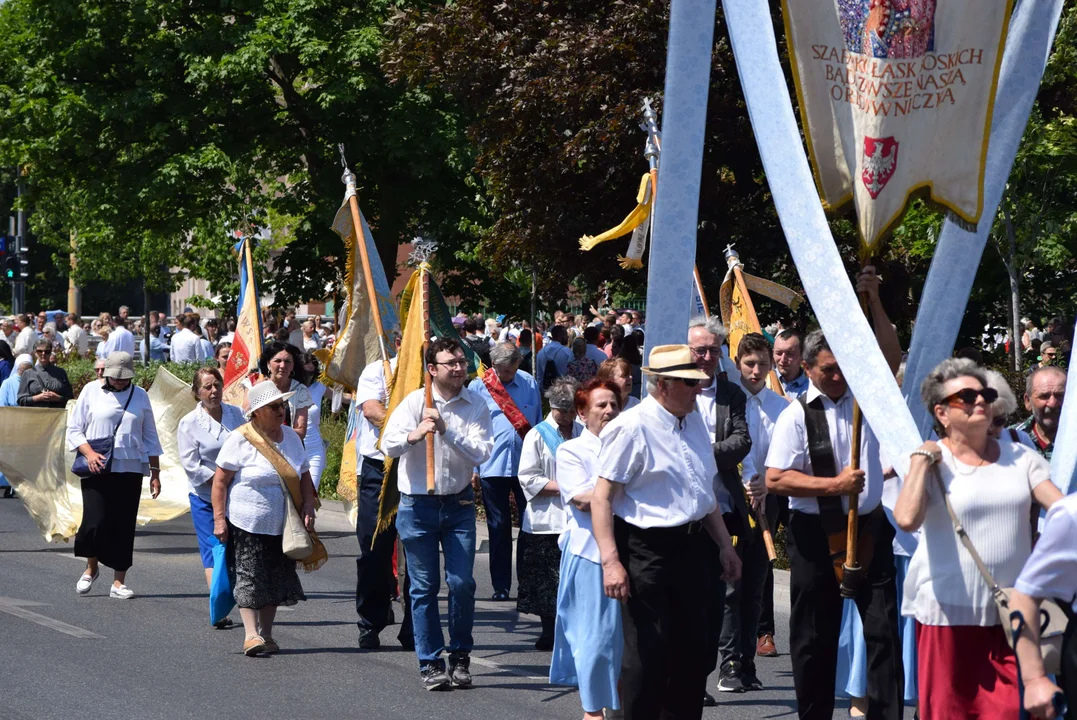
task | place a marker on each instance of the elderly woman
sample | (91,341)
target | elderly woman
(314,441)
(119,409)
(282,364)
(311,339)
(45,385)
(588,642)
(619,372)
(538,555)
(254,466)
(512,396)
(200,435)
(966,668)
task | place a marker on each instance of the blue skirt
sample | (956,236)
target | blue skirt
(851,679)
(202,517)
(588,641)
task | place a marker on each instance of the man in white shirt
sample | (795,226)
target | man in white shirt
(374,564)
(7,332)
(442,517)
(25,336)
(809,460)
(654,497)
(119,340)
(755,594)
(76,340)
(554,356)
(186,346)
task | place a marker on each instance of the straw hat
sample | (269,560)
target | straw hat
(263,394)
(119,365)
(673,361)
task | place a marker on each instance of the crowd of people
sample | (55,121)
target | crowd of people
(641,543)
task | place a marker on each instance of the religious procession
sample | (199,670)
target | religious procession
(795,478)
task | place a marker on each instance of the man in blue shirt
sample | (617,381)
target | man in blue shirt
(158,348)
(555,354)
(788,362)
(512,396)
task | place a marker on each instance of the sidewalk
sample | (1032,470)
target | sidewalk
(333,518)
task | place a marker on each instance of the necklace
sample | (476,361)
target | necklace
(972,468)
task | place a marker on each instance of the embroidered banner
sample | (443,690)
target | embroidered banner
(896,99)
(247,342)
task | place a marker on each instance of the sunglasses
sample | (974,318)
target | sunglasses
(688,382)
(276,406)
(968,396)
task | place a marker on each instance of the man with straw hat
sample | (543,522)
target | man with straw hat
(652,502)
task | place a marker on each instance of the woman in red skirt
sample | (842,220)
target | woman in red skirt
(966,668)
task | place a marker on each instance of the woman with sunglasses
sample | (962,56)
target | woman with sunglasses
(966,668)
(250,508)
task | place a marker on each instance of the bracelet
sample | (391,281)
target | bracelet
(926,453)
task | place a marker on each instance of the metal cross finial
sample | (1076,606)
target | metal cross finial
(422,250)
(731,255)
(348,178)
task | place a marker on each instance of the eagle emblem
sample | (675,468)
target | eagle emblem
(880,162)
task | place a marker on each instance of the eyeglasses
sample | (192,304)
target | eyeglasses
(453,363)
(968,396)
(276,406)
(704,350)
(42,351)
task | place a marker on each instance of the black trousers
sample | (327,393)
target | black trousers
(777,514)
(375,583)
(815,621)
(743,599)
(671,581)
(109,511)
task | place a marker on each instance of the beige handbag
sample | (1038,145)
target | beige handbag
(1052,619)
(298,544)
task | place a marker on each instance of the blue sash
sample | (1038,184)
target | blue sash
(550,435)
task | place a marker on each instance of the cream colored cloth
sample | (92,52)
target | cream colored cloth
(36,461)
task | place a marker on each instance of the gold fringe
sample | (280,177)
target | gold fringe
(630,263)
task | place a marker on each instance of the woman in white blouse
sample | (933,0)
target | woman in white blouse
(966,668)
(313,441)
(588,642)
(200,435)
(538,555)
(115,408)
(282,363)
(249,509)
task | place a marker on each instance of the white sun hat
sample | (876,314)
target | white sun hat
(263,394)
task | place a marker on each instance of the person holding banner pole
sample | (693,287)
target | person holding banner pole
(443,521)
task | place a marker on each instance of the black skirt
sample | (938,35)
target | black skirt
(538,569)
(260,572)
(109,510)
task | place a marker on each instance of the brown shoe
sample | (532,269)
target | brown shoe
(765,646)
(271,645)
(254,646)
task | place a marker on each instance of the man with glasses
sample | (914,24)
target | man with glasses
(652,501)
(1045,390)
(721,404)
(810,461)
(44,385)
(444,520)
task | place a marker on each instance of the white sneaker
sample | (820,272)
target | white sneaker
(122,592)
(86,582)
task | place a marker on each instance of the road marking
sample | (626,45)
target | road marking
(507,669)
(18,609)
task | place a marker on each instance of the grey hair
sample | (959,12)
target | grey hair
(504,354)
(814,344)
(562,393)
(949,369)
(713,325)
(652,383)
(1031,380)
(1007,401)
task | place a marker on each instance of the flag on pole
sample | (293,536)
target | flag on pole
(896,100)
(247,344)
(358,344)
(637,222)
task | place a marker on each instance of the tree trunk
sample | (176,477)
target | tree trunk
(1015,290)
(145,321)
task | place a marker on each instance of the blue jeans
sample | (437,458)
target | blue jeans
(428,524)
(495,498)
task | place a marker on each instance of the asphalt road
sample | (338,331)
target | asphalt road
(66,656)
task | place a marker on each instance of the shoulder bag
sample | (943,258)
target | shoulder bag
(1053,620)
(101,446)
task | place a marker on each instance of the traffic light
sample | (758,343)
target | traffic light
(24,267)
(12,267)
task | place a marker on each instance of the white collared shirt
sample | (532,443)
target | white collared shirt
(199,438)
(789,449)
(98,413)
(762,410)
(705,406)
(467,442)
(76,340)
(185,347)
(545,514)
(577,463)
(371,386)
(665,463)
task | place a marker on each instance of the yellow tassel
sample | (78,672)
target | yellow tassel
(634,219)
(630,263)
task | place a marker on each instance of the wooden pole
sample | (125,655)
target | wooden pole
(702,295)
(851,569)
(427,381)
